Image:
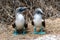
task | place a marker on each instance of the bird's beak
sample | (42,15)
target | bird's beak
(43,14)
(26,8)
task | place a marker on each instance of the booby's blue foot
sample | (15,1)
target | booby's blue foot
(35,33)
(15,32)
(42,33)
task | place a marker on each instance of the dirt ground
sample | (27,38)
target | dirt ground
(52,28)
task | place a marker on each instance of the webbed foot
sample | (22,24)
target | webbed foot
(42,33)
(15,32)
(35,33)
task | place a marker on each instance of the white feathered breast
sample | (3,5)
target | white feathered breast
(19,21)
(37,20)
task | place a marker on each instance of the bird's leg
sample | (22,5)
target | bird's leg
(35,32)
(15,32)
(24,31)
(41,31)
(34,29)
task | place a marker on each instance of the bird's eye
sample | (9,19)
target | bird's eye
(38,12)
(20,10)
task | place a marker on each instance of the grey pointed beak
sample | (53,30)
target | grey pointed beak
(26,8)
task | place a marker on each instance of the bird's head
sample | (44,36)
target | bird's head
(38,11)
(21,9)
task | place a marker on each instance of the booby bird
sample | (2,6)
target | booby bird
(38,21)
(20,24)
